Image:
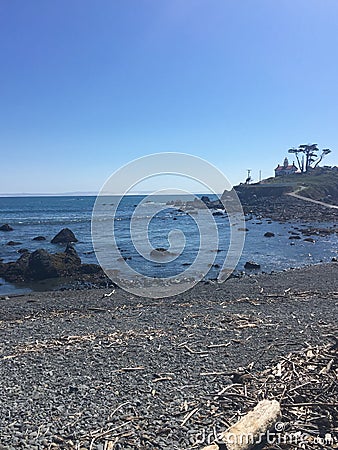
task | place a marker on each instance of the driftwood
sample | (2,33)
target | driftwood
(305,385)
(250,428)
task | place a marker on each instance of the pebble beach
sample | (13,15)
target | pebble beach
(102,369)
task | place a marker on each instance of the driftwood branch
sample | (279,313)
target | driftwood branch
(251,427)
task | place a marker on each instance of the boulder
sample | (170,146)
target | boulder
(15,271)
(41,265)
(23,250)
(6,227)
(65,236)
(90,269)
(251,265)
(294,237)
(269,234)
(39,238)
(10,243)
(160,252)
(310,240)
(71,257)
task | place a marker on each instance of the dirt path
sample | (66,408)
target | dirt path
(295,194)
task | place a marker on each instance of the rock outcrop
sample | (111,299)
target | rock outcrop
(6,227)
(251,265)
(65,236)
(41,265)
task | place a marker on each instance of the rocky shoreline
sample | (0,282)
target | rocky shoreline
(82,370)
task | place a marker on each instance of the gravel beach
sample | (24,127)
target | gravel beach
(80,370)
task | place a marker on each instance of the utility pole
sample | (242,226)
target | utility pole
(260,176)
(247,181)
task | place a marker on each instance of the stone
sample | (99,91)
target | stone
(6,227)
(90,269)
(23,250)
(160,252)
(41,265)
(39,238)
(251,265)
(294,237)
(310,240)
(269,234)
(205,199)
(11,243)
(64,236)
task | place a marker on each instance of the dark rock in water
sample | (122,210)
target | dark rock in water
(334,259)
(64,236)
(294,237)
(39,238)
(13,243)
(251,265)
(218,213)
(243,229)
(269,234)
(160,252)
(71,256)
(23,250)
(310,240)
(15,271)
(41,266)
(6,227)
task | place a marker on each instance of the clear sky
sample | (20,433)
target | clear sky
(86,86)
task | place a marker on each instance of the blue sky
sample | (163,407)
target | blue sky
(86,87)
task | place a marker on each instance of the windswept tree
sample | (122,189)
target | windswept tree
(308,156)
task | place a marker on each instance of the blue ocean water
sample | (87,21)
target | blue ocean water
(46,216)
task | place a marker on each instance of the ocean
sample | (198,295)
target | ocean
(46,216)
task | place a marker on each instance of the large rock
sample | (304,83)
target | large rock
(40,265)
(65,236)
(6,227)
(15,271)
(39,238)
(269,234)
(251,265)
(11,243)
